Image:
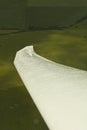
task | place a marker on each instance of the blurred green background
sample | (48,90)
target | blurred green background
(58,31)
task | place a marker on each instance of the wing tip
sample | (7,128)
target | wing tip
(28,49)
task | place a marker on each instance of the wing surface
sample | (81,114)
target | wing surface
(59,91)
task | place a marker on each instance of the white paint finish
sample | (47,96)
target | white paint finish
(59,91)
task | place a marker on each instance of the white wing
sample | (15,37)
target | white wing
(59,92)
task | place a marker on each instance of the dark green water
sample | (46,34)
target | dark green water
(17,111)
(19,17)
